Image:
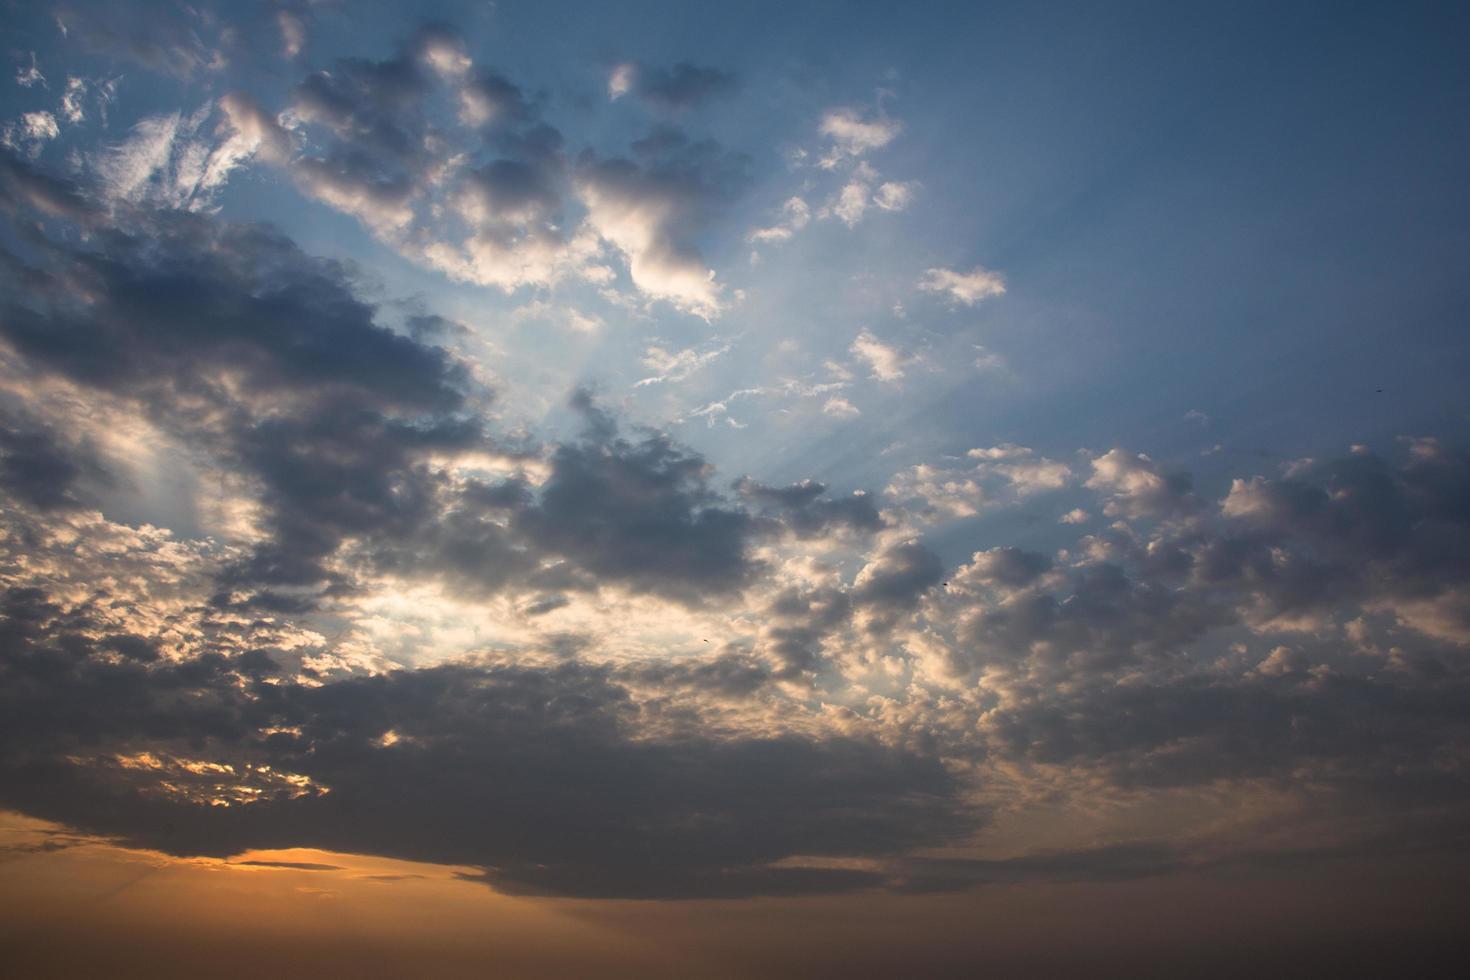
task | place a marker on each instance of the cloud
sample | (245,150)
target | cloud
(24,190)
(671,685)
(641,514)
(599,811)
(41,468)
(1139,488)
(795,214)
(30,134)
(100,92)
(895,195)
(898,576)
(1003,474)
(177,161)
(678,88)
(968,288)
(176,39)
(621,81)
(649,208)
(447,162)
(676,365)
(852,135)
(803,509)
(27,76)
(885,362)
(852,201)
(182,312)
(293,33)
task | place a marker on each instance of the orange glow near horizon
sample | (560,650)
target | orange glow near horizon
(75,906)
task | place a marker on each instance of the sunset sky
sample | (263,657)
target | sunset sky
(546,489)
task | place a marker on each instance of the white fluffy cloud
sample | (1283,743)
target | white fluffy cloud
(794,216)
(1001,474)
(968,288)
(620,81)
(639,219)
(884,361)
(852,135)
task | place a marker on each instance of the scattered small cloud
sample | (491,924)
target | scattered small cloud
(885,362)
(853,135)
(967,288)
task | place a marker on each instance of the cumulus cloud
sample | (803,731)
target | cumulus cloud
(620,81)
(640,216)
(853,135)
(967,288)
(27,76)
(894,195)
(884,361)
(795,214)
(1139,488)
(30,133)
(370,146)
(650,205)
(1002,474)
(855,197)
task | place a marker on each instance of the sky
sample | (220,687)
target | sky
(803,489)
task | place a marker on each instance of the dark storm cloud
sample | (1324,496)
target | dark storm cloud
(540,776)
